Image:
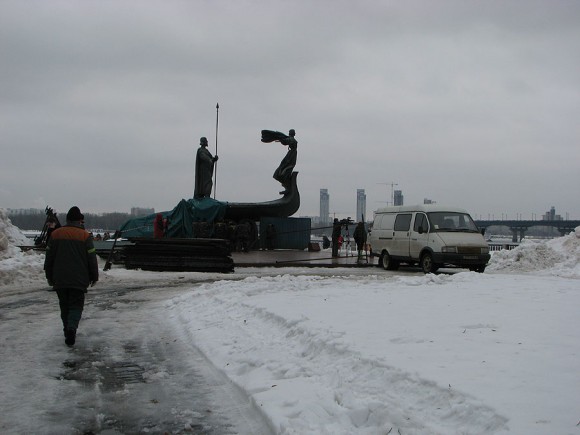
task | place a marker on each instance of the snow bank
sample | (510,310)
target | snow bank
(557,257)
(404,353)
(17,266)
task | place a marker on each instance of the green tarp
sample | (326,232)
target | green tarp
(290,233)
(181,218)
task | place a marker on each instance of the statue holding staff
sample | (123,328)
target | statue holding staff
(204,164)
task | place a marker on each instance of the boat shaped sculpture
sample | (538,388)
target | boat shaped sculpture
(283,207)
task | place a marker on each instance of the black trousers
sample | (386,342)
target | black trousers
(335,247)
(72,302)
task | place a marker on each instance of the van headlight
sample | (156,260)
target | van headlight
(449,249)
(485,250)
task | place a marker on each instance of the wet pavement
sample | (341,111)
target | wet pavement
(295,258)
(130,372)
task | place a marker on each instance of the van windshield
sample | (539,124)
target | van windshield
(451,221)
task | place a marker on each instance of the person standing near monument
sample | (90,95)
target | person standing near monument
(360,238)
(270,236)
(336,233)
(204,164)
(158,226)
(70,267)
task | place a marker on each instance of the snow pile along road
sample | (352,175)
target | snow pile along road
(423,354)
(558,257)
(17,266)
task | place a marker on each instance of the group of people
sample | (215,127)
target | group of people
(359,236)
(239,234)
(104,237)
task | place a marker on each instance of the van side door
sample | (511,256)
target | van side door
(401,233)
(419,235)
(382,232)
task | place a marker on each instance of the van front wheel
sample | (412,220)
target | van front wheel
(427,263)
(387,262)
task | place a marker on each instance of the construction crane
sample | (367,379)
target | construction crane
(392,184)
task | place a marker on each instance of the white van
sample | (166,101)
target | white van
(429,235)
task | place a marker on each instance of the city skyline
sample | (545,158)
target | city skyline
(551,212)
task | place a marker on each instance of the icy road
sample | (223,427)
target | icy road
(128,373)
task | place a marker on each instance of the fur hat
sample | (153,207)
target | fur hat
(74,215)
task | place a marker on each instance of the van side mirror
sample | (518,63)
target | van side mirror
(420,230)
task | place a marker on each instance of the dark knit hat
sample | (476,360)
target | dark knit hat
(74,214)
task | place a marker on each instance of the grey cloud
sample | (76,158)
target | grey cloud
(449,99)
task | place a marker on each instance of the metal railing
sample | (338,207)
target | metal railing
(502,246)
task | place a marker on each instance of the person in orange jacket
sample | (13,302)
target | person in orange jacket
(70,267)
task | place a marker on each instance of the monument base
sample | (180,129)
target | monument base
(289,233)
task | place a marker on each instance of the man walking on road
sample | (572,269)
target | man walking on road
(70,267)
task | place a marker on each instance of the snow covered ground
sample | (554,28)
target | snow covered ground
(302,351)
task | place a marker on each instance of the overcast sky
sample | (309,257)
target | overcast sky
(469,103)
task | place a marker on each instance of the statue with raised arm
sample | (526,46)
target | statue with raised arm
(284,171)
(204,164)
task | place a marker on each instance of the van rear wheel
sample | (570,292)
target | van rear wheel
(387,262)
(427,264)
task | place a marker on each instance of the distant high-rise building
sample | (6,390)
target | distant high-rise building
(141,211)
(398,197)
(361,205)
(551,215)
(428,201)
(324,207)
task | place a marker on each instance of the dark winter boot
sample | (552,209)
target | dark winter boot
(70,335)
